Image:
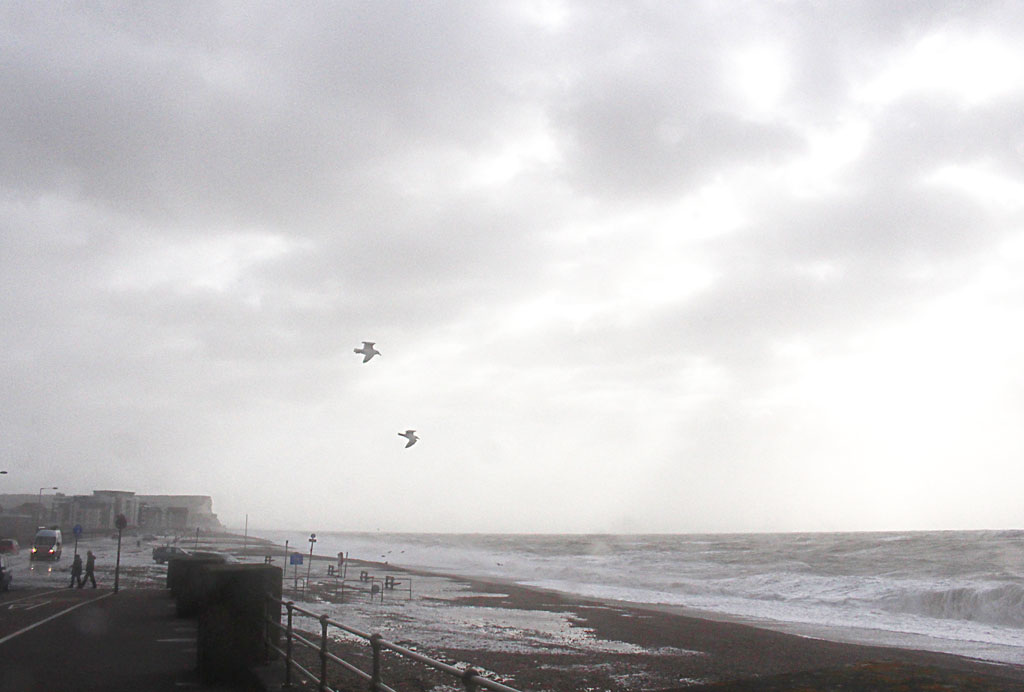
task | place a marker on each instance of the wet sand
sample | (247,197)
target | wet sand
(672,651)
(729,651)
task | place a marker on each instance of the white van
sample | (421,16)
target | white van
(46,545)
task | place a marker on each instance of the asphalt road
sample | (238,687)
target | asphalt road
(93,639)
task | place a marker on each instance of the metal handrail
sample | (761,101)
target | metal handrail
(471,678)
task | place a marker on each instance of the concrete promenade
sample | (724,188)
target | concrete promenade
(95,640)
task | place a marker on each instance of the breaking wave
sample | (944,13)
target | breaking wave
(1001,604)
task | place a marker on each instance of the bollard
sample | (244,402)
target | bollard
(288,647)
(323,653)
(469,679)
(375,679)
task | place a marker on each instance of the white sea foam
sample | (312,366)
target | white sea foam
(949,591)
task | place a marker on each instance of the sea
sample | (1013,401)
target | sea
(959,592)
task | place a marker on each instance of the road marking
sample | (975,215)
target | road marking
(27,606)
(34,595)
(53,617)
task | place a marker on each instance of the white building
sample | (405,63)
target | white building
(177,512)
(98,511)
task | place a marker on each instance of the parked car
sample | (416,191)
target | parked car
(5,574)
(47,545)
(9,546)
(163,553)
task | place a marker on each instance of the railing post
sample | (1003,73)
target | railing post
(288,648)
(375,680)
(323,652)
(267,600)
(469,681)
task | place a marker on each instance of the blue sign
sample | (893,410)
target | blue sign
(296,559)
(77,530)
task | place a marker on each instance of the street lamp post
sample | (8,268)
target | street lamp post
(312,540)
(41,499)
(120,521)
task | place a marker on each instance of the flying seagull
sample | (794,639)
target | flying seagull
(367,350)
(411,436)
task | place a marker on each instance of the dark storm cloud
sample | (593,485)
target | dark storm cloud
(148,109)
(618,147)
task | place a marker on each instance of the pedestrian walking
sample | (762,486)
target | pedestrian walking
(90,566)
(5,576)
(76,572)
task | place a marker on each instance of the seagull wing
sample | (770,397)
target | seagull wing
(367,350)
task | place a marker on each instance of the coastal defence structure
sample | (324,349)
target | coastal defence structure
(96,512)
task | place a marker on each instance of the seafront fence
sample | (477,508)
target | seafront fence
(471,679)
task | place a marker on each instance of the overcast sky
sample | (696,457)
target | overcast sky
(655,267)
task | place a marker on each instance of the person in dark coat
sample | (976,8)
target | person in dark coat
(76,572)
(90,565)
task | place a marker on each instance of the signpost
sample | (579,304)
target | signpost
(78,532)
(339,571)
(120,522)
(295,559)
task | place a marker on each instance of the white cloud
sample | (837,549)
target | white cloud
(626,264)
(820,170)
(761,76)
(994,189)
(212,261)
(974,68)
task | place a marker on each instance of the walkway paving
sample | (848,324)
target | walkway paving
(95,640)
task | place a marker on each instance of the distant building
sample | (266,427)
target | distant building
(22,514)
(21,527)
(36,506)
(176,512)
(96,512)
